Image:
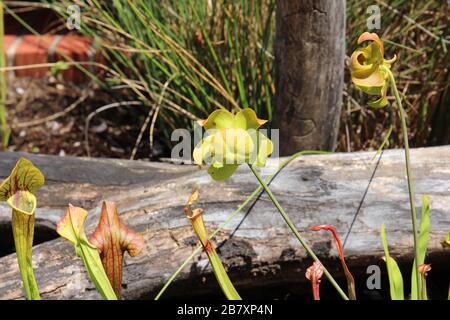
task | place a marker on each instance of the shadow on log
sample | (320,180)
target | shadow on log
(261,253)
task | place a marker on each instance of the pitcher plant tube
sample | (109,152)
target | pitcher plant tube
(195,217)
(113,238)
(372,74)
(18,190)
(337,241)
(71,228)
(235,140)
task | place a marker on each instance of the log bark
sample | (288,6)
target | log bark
(309,53)
(256,247)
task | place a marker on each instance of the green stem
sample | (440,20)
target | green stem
(409,177)
(295,231)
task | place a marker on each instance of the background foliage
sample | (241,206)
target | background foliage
(183,59)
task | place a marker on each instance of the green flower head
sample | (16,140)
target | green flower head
(230,140)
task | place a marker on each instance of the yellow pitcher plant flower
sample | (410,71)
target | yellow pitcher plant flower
(231,140)
(369,69)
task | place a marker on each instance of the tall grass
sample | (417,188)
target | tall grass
(218,54)
(4,130)
(212,53)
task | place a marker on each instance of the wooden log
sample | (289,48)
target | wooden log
(260,252)
(309,53)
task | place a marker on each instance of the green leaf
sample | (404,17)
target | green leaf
(395,276)
(422,244)
(71,227)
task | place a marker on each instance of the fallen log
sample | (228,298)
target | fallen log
(257,248)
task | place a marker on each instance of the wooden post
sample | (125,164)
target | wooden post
(310,53)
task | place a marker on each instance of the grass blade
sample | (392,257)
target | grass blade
(395,276)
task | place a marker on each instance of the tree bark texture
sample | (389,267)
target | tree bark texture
(310,55)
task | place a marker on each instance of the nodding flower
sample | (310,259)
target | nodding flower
(314,274)
(230,140)
(337,240)
(369,69)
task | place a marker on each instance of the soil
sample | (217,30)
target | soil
(112,133)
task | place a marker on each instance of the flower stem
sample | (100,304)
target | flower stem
(409,177)
(295,231)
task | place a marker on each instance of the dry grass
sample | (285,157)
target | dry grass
(186,58)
